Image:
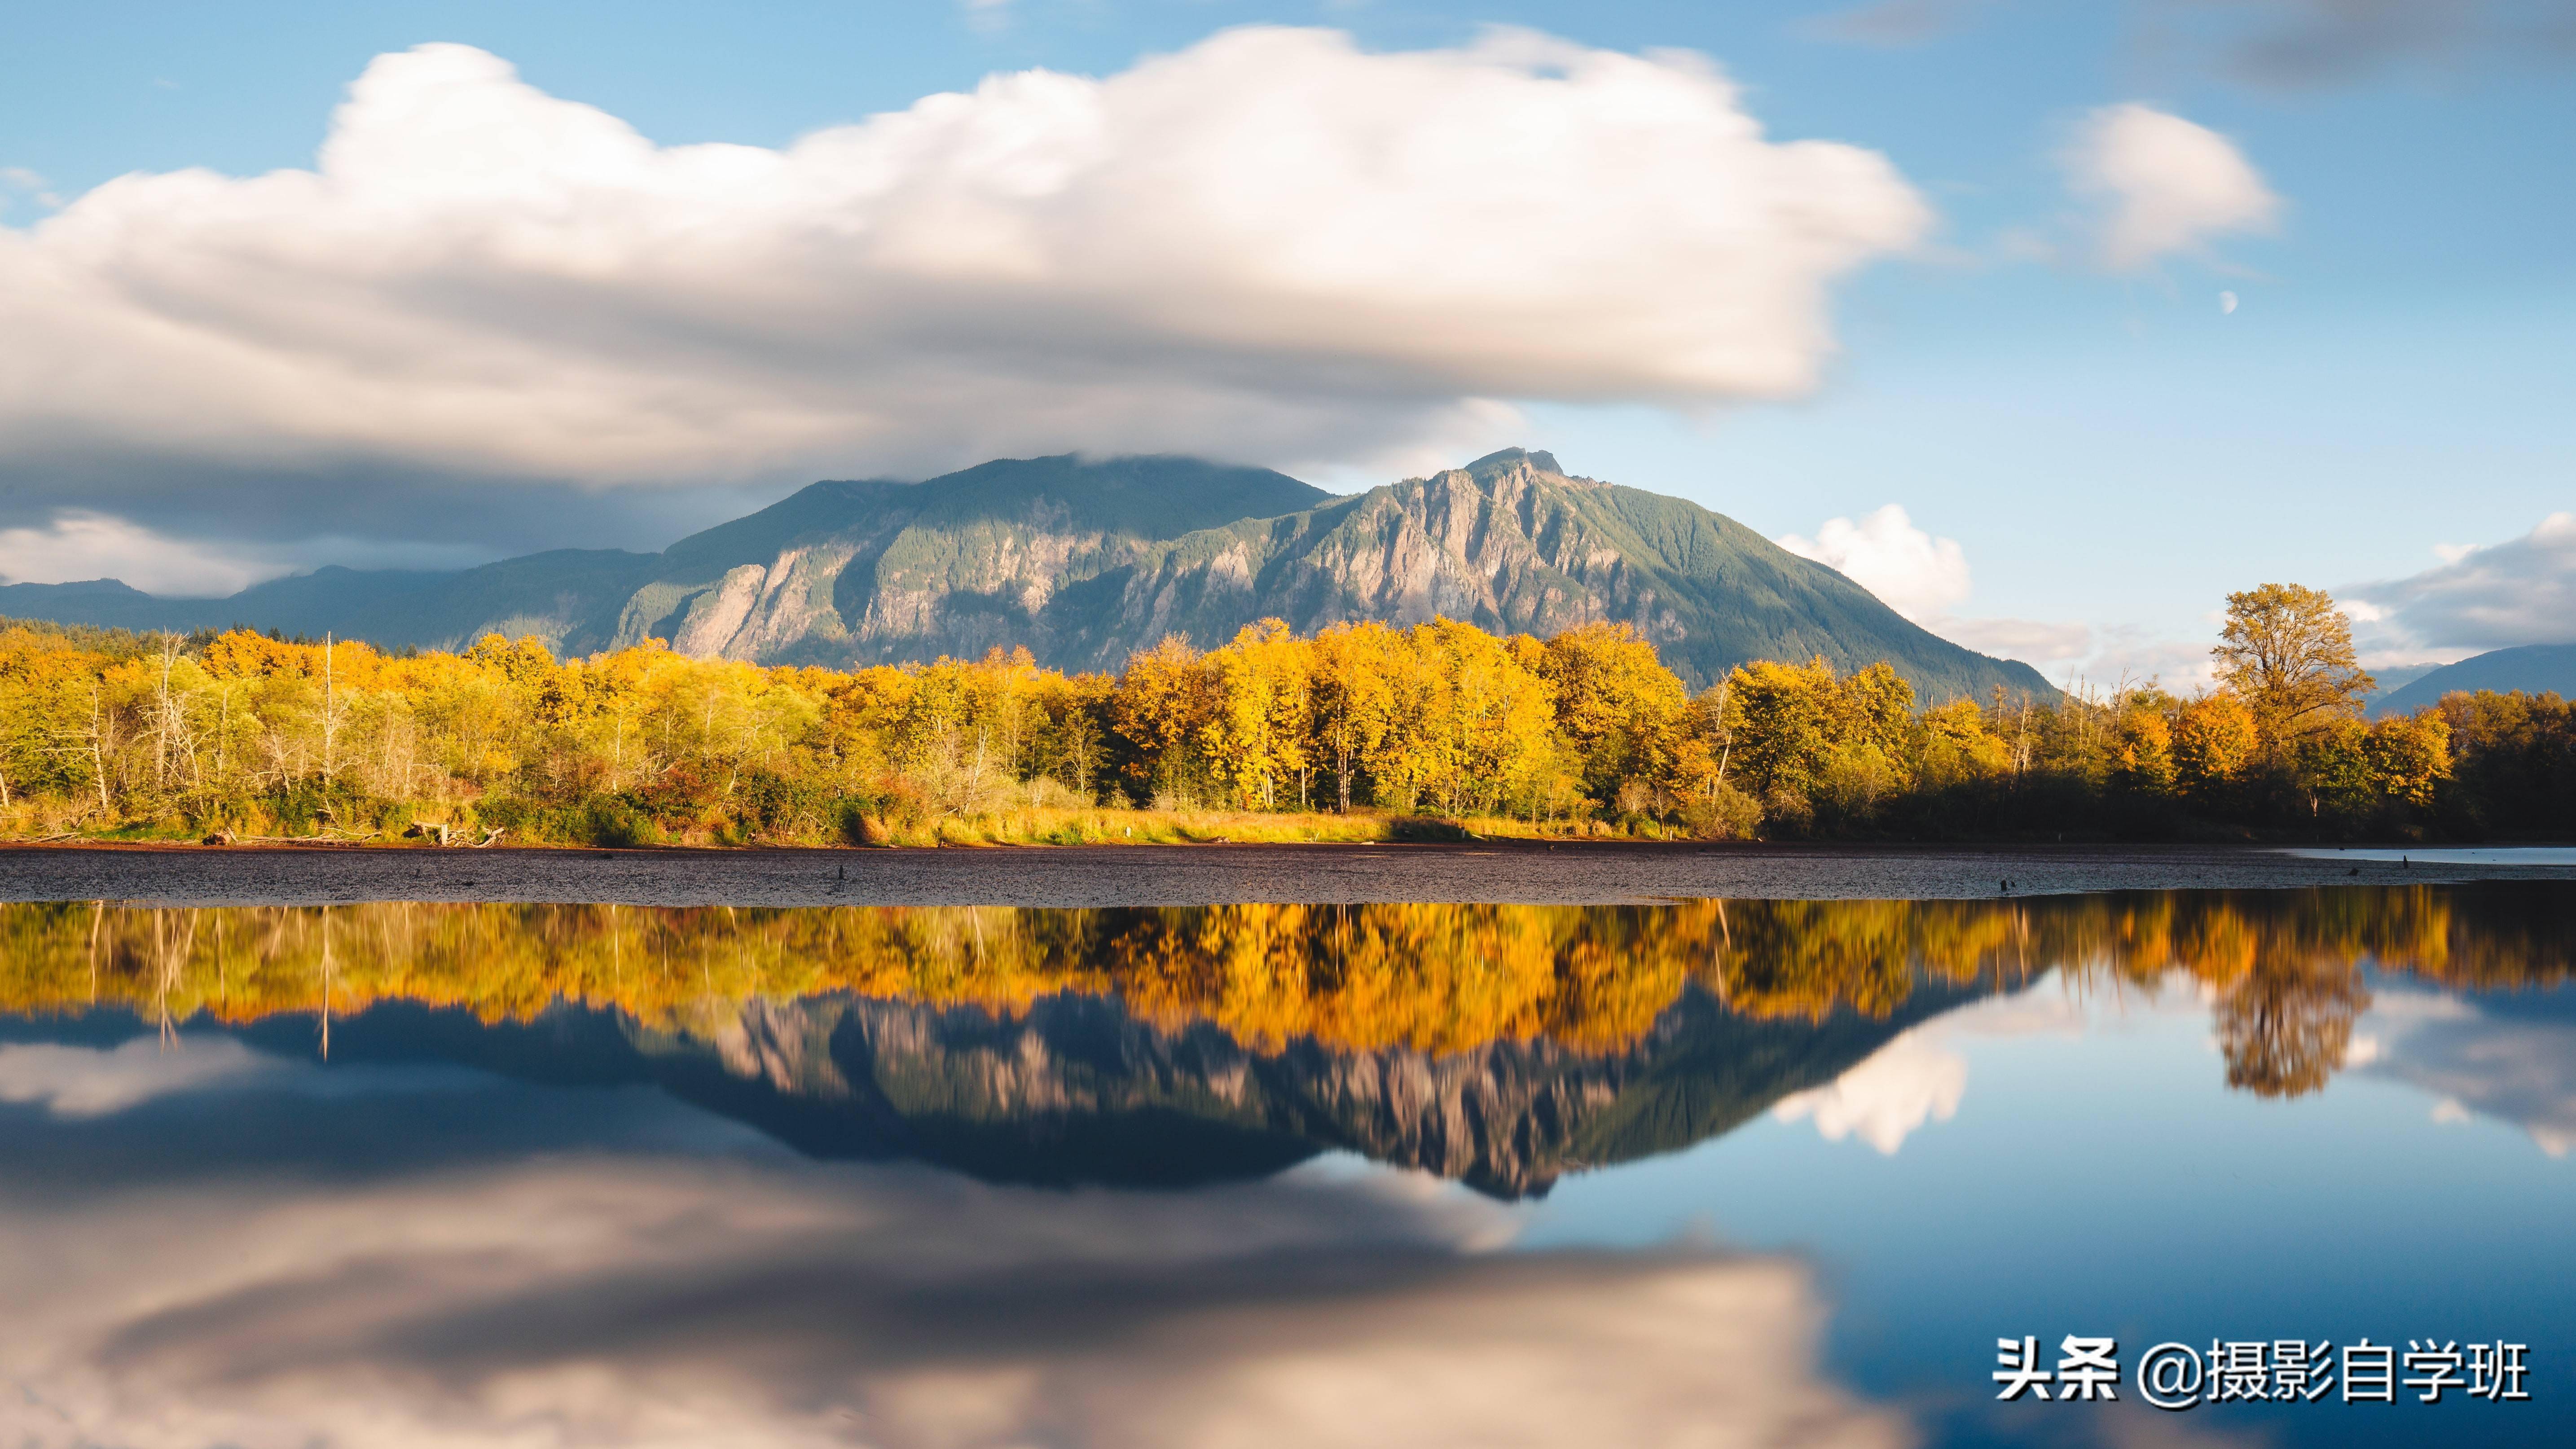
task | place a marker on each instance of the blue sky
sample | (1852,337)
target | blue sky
(2109,449)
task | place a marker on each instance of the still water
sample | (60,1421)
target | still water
(1709,1173)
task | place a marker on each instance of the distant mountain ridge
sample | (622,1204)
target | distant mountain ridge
(1086,561)
(2530,668)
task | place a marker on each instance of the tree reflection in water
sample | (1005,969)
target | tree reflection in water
(2284,970)
(2286,1027)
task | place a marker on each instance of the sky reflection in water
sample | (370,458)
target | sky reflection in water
(1751,1173)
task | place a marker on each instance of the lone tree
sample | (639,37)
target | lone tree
(2288,655)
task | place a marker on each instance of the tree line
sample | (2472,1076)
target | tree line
(1357,731)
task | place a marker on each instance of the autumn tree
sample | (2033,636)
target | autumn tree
(2409,757)
(2144,758)
(235,731)
(2287,652)
(1163,703)
(1256,731)
(1958,746)
(1352,698)
(2214,739)
(1786,718)
(1805,736)
(1471,723)
(1616,703)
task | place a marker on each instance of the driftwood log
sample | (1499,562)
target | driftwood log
(441,833)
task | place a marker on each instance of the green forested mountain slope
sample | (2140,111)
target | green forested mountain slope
(1084,562)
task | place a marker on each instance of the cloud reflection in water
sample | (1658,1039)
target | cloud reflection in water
(583,1297)
(76,1081)
(2514,1061)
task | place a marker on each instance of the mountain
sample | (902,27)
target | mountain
(2531,668)
(1086,561)
(2387,679)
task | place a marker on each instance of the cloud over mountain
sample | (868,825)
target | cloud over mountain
(2521,591)
(1912,572)
(1269,245)
(1926,579)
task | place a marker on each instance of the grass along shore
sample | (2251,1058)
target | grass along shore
(1028,826)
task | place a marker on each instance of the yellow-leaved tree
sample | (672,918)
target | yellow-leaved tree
(1256,731)
(2286,650)
(1619,707)
(1352,696)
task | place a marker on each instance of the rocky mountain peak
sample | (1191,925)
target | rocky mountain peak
(1508,460)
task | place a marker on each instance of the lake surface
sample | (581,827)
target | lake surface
(1692,1172)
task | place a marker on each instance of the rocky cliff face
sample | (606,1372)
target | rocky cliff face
(1505,544)
(1510,543)
(858,573)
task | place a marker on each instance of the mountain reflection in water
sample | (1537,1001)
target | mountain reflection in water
(453,1175)
(1499,1045)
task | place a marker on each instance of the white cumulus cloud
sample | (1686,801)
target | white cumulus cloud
(1925,579)
(1269,245)
(2521,591)
(2033,641)
(2138,655)
(1912,572)
(2163,185)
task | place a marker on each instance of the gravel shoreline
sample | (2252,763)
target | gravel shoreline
(1079,876)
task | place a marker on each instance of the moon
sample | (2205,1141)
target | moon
(2226,303)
